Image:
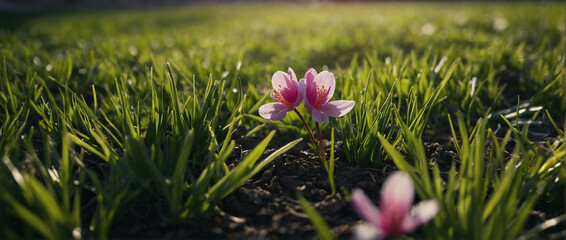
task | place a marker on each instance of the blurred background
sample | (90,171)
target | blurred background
(35,4)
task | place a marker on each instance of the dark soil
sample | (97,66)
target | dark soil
(266,206)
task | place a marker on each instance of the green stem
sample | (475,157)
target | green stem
(306,126)
(321,144)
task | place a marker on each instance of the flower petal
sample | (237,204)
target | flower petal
(273,111)
(310,86)
(364,207)
(272,95)
(327,81)
(303,93)
(397,193)
(421,213)
(366,231)
(300,93)
(337,108)
(299,97)
(302,87)
(286,86)
(310,74)
(308,107)
(318,117)
(292,75)
(280,80)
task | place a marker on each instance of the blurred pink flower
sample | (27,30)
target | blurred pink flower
(317,89)
(396,216)
(286,95)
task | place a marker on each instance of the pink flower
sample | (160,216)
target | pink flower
(317,89)
(396,216)
(286,95)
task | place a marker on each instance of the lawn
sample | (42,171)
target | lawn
(144,123)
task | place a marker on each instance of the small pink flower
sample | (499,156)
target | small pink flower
(317,89)
(396,216)
(286,95)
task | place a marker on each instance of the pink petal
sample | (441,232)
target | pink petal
(273,111)
(303,91)
(299,99)
(310,74)
(421,213)
(308,107)
(292,74)
(291,95)
(310,86)
(318,117)
(366,231)
(397,194)
(272,95)
(288,98)
(337,108)
(325,80)
(280,80)
(364,207)
(286,85)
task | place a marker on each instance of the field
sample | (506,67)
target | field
(143,123)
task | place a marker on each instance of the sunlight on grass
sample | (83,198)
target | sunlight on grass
(104,111)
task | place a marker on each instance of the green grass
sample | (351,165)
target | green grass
(100,110)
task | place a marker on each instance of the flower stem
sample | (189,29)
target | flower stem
(306,126)
(321,144)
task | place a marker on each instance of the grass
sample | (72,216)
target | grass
(101,110)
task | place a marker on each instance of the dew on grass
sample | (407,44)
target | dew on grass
(473,85)
(205,63)
(440,64)
(500,24)
(49,67)
(77,233)
(53,174)
(427,29)
(177,54)
(36,60)
(133,50)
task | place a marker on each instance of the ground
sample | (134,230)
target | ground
(266,206)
